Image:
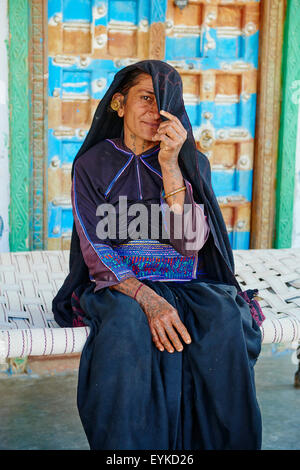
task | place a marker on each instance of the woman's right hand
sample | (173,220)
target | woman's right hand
(163,320)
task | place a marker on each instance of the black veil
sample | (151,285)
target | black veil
(195,167)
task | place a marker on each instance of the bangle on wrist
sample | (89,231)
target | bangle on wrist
(134,298)
(183,188)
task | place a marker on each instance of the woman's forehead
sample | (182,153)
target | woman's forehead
(145,82)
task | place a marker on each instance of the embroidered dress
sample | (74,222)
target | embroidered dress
(110,170)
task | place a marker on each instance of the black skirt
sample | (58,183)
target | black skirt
(132,396)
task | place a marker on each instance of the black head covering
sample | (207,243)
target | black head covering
(195,167)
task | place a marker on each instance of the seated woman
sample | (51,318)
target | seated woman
(168,364)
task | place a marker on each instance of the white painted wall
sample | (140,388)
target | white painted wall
(296,217)
(4,130)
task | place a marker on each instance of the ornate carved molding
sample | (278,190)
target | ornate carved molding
(19,124)
(157,41)
(38,87)
(288,127)
(267,123)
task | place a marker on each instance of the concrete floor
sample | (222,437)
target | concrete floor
(39,412)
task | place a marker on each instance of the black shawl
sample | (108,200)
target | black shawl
(195,167)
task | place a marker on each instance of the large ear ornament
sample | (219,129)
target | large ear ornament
(115,105)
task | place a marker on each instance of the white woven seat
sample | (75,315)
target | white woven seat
(30,280)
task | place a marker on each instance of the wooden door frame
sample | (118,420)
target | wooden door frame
(267,124)
(28,110)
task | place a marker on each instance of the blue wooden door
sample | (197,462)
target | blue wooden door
(215,49)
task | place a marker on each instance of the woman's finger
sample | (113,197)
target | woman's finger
(182,330)
(173,336)
(179,128)
(169,142)
(171,133)
(171,117)
(163,337)
(156,340)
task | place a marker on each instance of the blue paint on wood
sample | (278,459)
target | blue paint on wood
(54,6)
(55,73)
(78,82)
(69,150)
(206,107)
(54,221)
(224,48)
(158,11)
(144,10)
(181,48)
(60,220)
(103,19)
(175,51)
(65,148)
(225,115)
(247,112)
(250,48)
(209,36)
(95,70)
(193,113)
(121,10)
(232,182)
(243,182)
(66,219)
(229,48)
(239,240)
(74,10)
(54,146)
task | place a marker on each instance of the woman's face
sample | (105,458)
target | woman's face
(140,112)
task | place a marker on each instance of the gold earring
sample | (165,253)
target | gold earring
(115,105)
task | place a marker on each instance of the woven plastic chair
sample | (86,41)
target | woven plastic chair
(30,280)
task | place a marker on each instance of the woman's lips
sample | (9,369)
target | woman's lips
(152,125)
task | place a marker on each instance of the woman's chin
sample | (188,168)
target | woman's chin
(148,137)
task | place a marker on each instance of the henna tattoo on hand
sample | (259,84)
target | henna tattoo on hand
(162,317)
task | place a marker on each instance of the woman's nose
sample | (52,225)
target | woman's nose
(154,111)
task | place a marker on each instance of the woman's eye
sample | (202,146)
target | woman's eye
(146,98)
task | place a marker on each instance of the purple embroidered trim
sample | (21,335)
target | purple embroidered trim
(152,153)
(151,168)
(77,311)
(255,308)
(117,177)
(139,178)
(121,150)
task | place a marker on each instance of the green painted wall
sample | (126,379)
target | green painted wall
(19,117)
(288,127)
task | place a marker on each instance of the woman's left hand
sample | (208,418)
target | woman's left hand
(172,136)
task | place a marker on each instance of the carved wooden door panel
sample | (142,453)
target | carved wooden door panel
(215,49)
